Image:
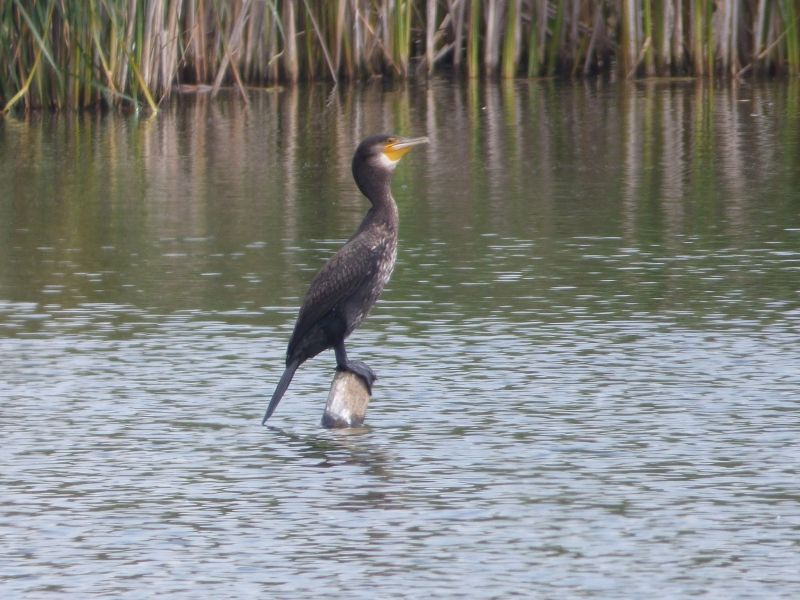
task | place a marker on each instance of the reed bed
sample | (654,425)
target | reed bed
(62,54)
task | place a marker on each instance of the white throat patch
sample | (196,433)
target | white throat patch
(385,161)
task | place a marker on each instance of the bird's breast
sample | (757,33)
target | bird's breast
(384,248)
(386,261)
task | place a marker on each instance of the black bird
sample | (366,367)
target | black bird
(345,289)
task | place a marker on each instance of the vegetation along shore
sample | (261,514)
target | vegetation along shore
(134,53)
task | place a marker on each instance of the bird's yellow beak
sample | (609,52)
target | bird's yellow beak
(397,148)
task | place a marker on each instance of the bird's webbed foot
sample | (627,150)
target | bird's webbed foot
(360,369)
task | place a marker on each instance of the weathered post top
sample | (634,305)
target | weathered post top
(347,401)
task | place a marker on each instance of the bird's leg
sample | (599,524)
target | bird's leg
(354,366)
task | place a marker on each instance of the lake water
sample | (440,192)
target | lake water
(588,356)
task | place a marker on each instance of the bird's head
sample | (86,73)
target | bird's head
(375,160)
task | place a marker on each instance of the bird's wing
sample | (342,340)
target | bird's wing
(342,275)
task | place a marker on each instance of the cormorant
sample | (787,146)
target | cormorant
(345,289)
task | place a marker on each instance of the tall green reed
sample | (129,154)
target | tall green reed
(136,53)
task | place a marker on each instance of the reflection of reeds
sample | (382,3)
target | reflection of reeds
(115,52)
(655,163)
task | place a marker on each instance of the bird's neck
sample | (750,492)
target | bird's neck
(376,187)
(382,216)
(373,183)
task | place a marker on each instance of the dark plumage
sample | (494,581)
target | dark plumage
(346,288)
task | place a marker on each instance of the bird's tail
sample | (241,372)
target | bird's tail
(283,384)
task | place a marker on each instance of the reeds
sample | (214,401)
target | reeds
(135,52)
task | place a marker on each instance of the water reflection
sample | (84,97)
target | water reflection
(587,354)
(101,202)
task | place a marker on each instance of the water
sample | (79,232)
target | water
(587,356)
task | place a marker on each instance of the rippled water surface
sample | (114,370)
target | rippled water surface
(588,354)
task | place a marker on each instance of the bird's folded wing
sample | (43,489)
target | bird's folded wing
(340,278)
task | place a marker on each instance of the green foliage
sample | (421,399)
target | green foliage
(133,53)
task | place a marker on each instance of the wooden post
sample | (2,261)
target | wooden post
(347,401)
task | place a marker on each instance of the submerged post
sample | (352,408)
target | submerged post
(347,401)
